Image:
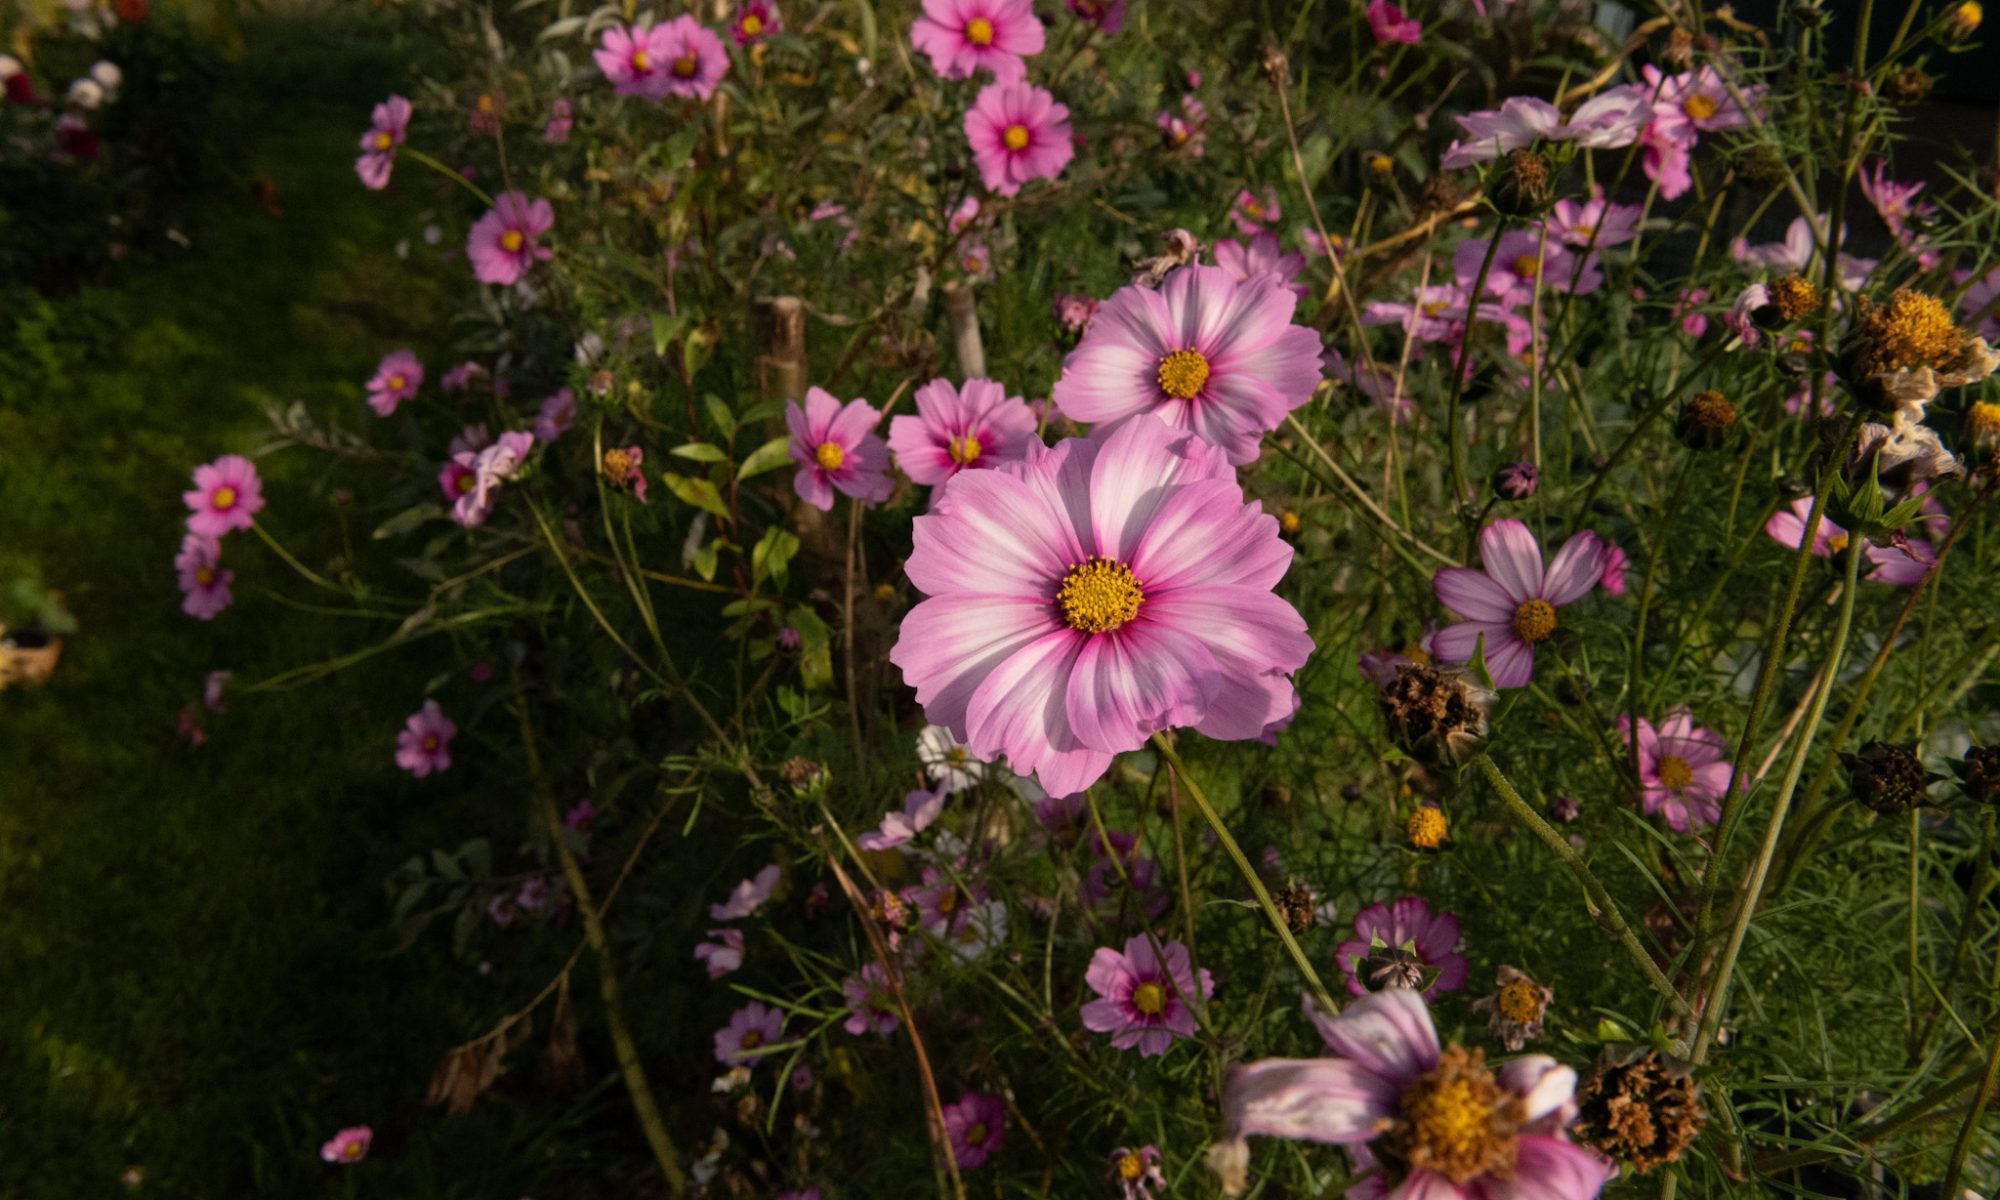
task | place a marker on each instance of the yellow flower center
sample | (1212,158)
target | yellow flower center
(1527,266)
(1913,330)
(1836,543)
(464,482)
(1520,1002)
(1098,595)
(1457,1121)
(383,140)
(225,497)
(1182,373)
(1427,827)
(1699,106)
(752,25)
(396,383)
(955,756)
(1253,210)
(353,1150)
(976,1132)
(829,455)
(205,576)
(641,61)
(1149,998)
(484,103)
(617,464)
(752,1039)
(1982,423)
(511,240)
(1674,772)
(431,742)
(1130,1165)
(947,901)
(964,450)
(1433,308)
(979,31)
(1380,163)
(1535,620)
(1015,137)
(1288,522)
(684,65)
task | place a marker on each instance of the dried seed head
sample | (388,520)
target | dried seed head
(1276,67)
(1517,481)
(1887,778)
(1521,185)
(1296,903)
(1705,420)
(1638,1107)
(1795,298)
(1436,713)
(1979,774)
(1908,86)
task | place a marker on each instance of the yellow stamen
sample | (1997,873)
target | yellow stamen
(1912,330)
(464,482)
(684,65)
(353,1151)
(752,25)
(1149,998)
(752,1039)
(1015,137)
(1836,543)
(431,742)
(964,450)
(1182,373)
(224,497)
(1699,106)
(1458,1122)
(1521,1002)
(396,383)
(1674,772)
(1098,595)
(830,455)
(1426,827)
(1535,620)
(205,576)
(1130,1165)
(383,140)
(641,61)
(1527,266)
(976,1132)
(511,240)
(485,102)
(979,31)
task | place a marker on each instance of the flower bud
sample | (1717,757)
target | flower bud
(1886,777)
(1516,480)
(1979,774)
(1705,420)
(1963,21)
(1521,184)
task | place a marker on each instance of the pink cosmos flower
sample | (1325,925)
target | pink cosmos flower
(834,448)
(1185,130)
(555,416)
(1894,202)
(1512,603)
(1252,212)
(460,379)
(389,124)
(1612,579)
(1398,945)
(1136,1171)
(1695,100)
(636,60)
(562,116)
(1796,254)
(395,380)
(204,581)
(1900,564)
(976,1125)
(1519,260)
(1788,528)
(747,897)
(751,1029)
(1074,312)
(424,745)
(188,726)
(1683,770)
(1106,16)
(723,956)
(871,1009)
(920,810)
(1018,132)
(484,117)
(1142,997)
(755,20)
(1607,121)
(1389,23)
(959,429)
(1262,255)
(1091,594)
(456,480)
(350,1145)
(694,58)
(634,475)
(963,36)
(1203,353)
(1385,1062)
(489,468)
(1595,222)
(227,495)
(505,242)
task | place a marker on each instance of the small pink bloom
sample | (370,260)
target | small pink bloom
(870,1006)
(751,1031)
(484,117)
(456,480)
(506,241)
(721,957)
(189,726)
(562,116)
(581,819)
(1018,132)
(1389,23)
(490,468)
(460,379)
(395,380)
(1613,578)
(227,495)
(636,60)
(1253,212)
(964,36)
(835,447)
(755,20)
(555,416)
(204,581)
(1683,771)
(1136,1171)
(1512,603)
(1187,129)
(212,688)
(1106,16)
(1263,255)
(1594,223)
(694,58)
(390,123)
(920,810)
(959,429)
(1399,946)
(350,1145)
(1667,159)
(1788,529)
(424,745)
(747,897)
(1143,997)
(976,1124)
(634,475)
(1074,312)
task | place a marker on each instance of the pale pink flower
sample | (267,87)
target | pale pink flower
(1899,564)
(562,116)
(350,1145)
(1694,100)
(396,379)
(960,428)
(1252,212)
(1262,255)
(204,581)
(227,495)
(1401,945)
(490,467)
(1136,1171)
(213,685)
(634,475)
(1018,133)
(1683,770)
(747,897)
(424,744)
(1595,222)
(976,1125)
(1143,997)
(389,124)
(722,956)
(506,242)
(556,415)
(1185,130)
(870,1006)
(751,1031)
(836,448)
(1389,23)
(920,809)
(1512,602)
(1203,353)
(1612,579)
(1609,120)
(695,57)
(1667,158)
(964,36)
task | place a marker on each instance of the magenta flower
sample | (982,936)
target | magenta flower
(747,897)
(390,123)
(1683,770)
(1519,260)
(1612,578)
(1136,1171)
(1263,255)
(1092,594)
(395,380)
(1252,212)
(958,429)
(751,1029)
(1788,528)
(976,1125)
(1425,1121)
(460,379)
(920,810)
(871,1008)
(1693,101)
(723,956)
(204,581)
(1185,130)
(506,241)
(1142,997)
(755,20)
(456,480)
(1204,353)
(1390,24)
(636,60)
(424,745)
(963,36)
(1399,945)
(227,495)
(488,469)
(1512,603)
(694,58)
(1899,564)
(555,416)
(1594,222)
(1018,132)
(1106,16)
(1667,158)
(835,449)
(627,469)
(350,1145)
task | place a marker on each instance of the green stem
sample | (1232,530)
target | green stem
(448,173)
(1452,423)
(1257,888)
(307,573)
(1965,1133)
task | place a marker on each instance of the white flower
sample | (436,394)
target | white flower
(9,67)
(946,760)
(107,75)
(86,93)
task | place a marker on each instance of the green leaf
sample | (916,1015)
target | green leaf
(705,560)
(698,492)
(767,457)
(700,452)
(666,329)
(407,520)
(719,413)
(772,555)
(815,648)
